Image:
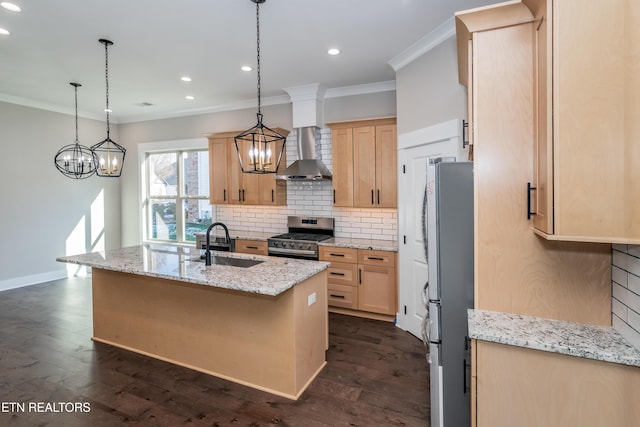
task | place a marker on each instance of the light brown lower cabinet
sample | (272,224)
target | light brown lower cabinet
(531,388)
(254,247)
(361,280)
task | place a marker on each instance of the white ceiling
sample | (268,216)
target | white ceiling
(156,42)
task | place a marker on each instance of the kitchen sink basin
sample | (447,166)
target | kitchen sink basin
(233,262)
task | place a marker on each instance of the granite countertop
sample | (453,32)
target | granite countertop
(377,245)
(573,339)
(338,242)
(272,277)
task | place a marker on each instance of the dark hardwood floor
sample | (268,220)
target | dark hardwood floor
(376,375)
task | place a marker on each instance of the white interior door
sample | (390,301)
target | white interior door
(437,141)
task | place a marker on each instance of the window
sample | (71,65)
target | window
(177,195)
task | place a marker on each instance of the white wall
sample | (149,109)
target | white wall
(428,91)
(45,214)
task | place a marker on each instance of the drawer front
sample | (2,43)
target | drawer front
(342,296)
(255,247)
(329,253)
(342,273)
(381,258)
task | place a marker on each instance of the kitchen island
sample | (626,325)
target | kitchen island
(255,320)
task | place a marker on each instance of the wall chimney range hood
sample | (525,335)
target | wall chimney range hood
(306,102)
(309,167)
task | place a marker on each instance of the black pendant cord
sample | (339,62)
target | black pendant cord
(106,76)
(258,59)
(75,85)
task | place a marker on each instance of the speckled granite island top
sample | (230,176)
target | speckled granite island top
(573,339)
(271,277)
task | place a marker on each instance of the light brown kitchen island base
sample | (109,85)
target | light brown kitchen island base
(275,344)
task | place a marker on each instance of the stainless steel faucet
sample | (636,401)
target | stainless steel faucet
(227,240)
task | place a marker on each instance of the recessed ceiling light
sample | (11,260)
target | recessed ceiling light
(185,78)
(246,68)
(190,97)
(4,32)
(10,6)
(333,51)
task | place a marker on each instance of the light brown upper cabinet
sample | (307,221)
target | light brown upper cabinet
(228,185)
(364,163)
(587,120)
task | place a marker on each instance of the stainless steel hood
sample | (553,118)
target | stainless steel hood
(309,167)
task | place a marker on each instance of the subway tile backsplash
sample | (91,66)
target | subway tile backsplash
(625,283)
(312,198)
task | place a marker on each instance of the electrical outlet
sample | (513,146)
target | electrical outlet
(311,299)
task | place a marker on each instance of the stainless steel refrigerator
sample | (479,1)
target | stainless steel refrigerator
(449,248)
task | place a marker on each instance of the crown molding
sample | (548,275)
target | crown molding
(386,86)
(441,33)
(26,102)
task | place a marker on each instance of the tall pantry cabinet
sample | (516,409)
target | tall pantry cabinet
(516,270)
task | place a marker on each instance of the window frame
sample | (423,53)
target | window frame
(179,147)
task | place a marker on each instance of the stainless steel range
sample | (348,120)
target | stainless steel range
(302,239)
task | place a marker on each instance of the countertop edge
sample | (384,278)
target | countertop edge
(555,336)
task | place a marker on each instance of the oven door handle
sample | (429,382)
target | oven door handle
(291,251)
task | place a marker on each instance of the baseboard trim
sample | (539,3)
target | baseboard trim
(33,279)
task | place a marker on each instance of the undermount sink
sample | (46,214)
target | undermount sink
(233,262)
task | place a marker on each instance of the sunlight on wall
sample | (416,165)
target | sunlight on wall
(74,245)
(97,223)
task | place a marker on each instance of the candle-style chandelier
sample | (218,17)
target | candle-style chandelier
(260,148)
(75,160)
(108,155)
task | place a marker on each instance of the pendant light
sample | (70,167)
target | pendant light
(260,148)
(75,160)
(108,155)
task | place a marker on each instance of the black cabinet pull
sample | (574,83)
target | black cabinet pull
(333,273)
(465,135)
(273,199)
(336,296)
(378,196)
(372,197)
(239,195)
(243,199)
(332,254)
(359,276)
(251,247)
(375,258)
(529,188)
(334,196)
(224,195)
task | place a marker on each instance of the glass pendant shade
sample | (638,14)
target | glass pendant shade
(108,155)
(260,148)
(74,160)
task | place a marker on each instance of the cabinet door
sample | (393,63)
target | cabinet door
(376,289)
(543,151)
(218,171)
(386,167)
(342,180)
(273,191)
(234,174)
(364,166)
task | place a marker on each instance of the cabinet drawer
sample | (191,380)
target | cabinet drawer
(342,296)
(381,258)
(342,273)
(255,247)
(328,253)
